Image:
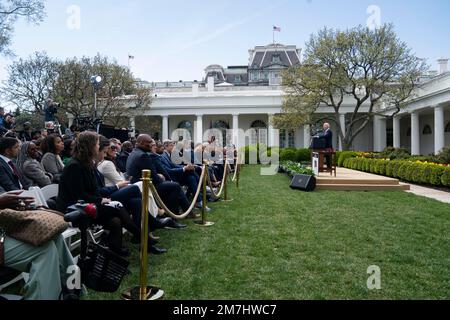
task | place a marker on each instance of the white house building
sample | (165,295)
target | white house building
(245,97)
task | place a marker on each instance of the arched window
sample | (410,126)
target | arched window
(426,130)
(219,124)
(447,127)
(187,125)
(259,134)
(223,127)
(258,124)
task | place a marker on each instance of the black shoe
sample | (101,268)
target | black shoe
(151,241)
(173,224)
(156,250)
(161,223)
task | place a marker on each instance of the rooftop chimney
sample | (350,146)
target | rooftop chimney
(443,65)
(195,89)
(210,84)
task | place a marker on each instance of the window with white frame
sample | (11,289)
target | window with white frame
(291,139)
(259,134)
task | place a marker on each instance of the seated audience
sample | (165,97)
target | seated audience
(47,265)
(32,171)
(26,133)
(113,176)
(142,159)
(11,178)
(35,135)
(108,166)
(79,182)
(123,155)
(52,148)
(184,175)
(66,154)
(39,144)
(131,197)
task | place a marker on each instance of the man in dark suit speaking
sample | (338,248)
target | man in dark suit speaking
(327,135)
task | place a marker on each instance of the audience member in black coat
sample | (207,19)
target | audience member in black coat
(79,182)
(122,157)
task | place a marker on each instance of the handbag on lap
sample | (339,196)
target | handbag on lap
(34,227)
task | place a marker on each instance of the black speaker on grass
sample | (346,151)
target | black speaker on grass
(303,182)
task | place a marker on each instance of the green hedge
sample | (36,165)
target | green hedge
(445,177)
(303,155)
(267,151)
(288,154)
(341,156)
(415,172)
(296,155)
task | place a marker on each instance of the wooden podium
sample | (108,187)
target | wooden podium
(322,153)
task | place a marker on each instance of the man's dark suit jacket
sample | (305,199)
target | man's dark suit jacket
(175,171)
(139,160)
(121,161)
(328,137)
(9,181)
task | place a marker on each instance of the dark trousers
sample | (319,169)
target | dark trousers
(131,198)
(113,220)
(191,180)
(328,160)
(218,171)
(173,196)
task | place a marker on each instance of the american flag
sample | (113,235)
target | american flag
(275,28)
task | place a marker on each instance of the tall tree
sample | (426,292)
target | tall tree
(359,67)
(116,94)
(30,81)
(10,12)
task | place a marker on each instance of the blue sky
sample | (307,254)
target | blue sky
(175,40)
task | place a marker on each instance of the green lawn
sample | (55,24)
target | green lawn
(272,242)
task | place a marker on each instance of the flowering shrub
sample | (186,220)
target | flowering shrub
(413,171)
(291,168)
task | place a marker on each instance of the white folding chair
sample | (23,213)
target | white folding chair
(50,191)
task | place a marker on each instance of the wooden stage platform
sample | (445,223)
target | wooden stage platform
(351,180)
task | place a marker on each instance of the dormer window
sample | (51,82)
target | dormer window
(276,58)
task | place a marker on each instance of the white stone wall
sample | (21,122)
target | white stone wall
(427,140)
(364,141)
(447,120)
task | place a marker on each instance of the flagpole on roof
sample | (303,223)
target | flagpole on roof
(129,58)
(273,34)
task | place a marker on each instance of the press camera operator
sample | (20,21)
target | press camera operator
(50,108)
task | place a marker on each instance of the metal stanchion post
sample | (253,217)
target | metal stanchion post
(227,168)
(144,292)
(203,222)
(238,168)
